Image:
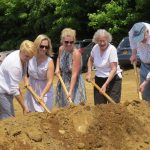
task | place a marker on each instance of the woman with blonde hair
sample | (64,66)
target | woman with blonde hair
(69,65)
(12,70)
(40,75)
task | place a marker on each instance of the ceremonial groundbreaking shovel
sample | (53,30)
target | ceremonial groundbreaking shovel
(64,87)
(137,80)
(105,94)
(37,98)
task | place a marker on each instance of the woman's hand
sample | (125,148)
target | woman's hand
(69,95)
(42,98)
(142,86)
(25,110)
(57,72)
(133,58)
(26,84)
(88,77)
(103,88)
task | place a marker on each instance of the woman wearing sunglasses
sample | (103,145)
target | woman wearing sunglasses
(40,75)
(69,64)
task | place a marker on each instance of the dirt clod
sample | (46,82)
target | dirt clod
(110,126)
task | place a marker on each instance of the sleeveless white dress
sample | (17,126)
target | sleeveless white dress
(38,81)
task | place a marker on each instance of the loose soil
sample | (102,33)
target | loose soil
(123,126)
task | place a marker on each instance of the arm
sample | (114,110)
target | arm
(26,80)
(113,63)
(50,77)
(112,73)
(57,70)
(75,70)
(21,102)
(89,65)
(143,84)
(133,47)
(133,56)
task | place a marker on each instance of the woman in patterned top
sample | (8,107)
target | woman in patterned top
(69,65)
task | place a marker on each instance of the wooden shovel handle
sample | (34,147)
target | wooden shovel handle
(37,98)
(137,80)
(105,94)
(64,87)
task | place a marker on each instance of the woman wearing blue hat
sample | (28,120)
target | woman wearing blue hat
(139,37)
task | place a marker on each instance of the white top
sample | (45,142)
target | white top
(11,73)
(38,81)
(142,49)
(102,63)
(148,76)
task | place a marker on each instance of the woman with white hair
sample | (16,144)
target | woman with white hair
(108,73)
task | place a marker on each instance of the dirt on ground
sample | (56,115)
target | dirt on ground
(123,126)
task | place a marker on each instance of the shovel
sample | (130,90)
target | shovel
(29,88)
(137,80)
(64,87)
(104,93)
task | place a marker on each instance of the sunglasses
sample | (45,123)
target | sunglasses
(69,42)
(43,46)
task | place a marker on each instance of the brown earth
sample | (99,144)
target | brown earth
(124,126)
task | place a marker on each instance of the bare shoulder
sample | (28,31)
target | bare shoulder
(61,48)
(51,63)
(76,52)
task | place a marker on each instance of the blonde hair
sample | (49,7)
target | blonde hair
(67,32)
(102,32)
(28,47)
(38,41)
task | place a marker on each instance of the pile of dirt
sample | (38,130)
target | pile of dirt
(102,127)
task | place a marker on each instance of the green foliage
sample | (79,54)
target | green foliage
(143,7)
(25,19)
(115,17)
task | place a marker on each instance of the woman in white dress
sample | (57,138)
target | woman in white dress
(40,75)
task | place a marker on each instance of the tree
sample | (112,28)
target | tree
(115,17)
(23,20)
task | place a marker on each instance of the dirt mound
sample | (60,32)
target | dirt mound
(101,127)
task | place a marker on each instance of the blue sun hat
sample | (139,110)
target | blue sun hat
(138,32)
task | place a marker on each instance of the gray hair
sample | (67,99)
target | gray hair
(102,32)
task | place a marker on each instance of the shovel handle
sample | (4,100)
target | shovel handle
(64,87)
(105,94)
(137,80)
(29,88)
